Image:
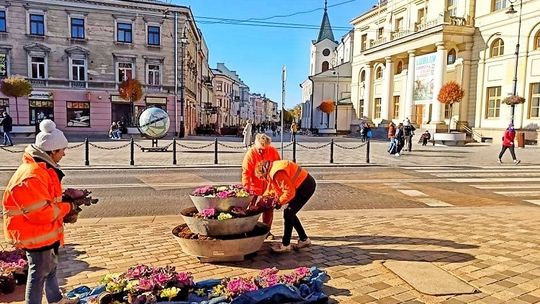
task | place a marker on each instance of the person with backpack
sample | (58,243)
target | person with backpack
(408,132)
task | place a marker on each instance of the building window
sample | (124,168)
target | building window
(3,27)
(451,57)
(361,110)
(362,76)
(534,111)
(3,65)
(78,114)
(4,105)
(154,35)
(399,24)
(364,42)
(536,41)
(493,102)
(378,73)
(325,66)
(326,52)
(154,75)
(497,5)
(399,68)
(125,71)
(377,108)
(421,15)
(37,67)
(497,48)
(380,33)
(78,70)
(395,108)
(219,88)
(37,25)
(77,28)
(451,7)
(124,32)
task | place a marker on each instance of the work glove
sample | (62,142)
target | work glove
(71,194)
(73,215)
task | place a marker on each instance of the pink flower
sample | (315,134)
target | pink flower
(161,279)
(185,278)
(208,213)
(146,284)
(238,286)
(302,272)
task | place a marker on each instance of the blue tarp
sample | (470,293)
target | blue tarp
(307,293)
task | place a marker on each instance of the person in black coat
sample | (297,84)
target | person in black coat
(7,123)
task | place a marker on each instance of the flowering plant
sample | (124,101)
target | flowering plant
(13,261)
(222,192)
(513,100)
(213,214)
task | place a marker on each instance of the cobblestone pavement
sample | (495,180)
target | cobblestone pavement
(496,250)
(312,150)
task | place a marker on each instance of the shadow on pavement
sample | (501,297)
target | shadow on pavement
(387,239)
(69,264)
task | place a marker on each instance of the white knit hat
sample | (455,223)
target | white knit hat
(50,138)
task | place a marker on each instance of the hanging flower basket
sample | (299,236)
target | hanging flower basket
(327,106)
(513,100)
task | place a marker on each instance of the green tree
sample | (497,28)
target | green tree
(16,86)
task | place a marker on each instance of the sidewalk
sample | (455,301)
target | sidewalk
(199,151)
(496,250)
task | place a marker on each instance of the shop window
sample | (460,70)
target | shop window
(77,28)
(154,35)
(3,27)
(40,110)
(534,111)
(154,75)
(497,48)
(37,24)
(377,108)
(395,108)
(124,32)
(493,102)
(379,73)
(38,66)
(78,69)
(125,71)
(451,57)
(78,114)
(123,112)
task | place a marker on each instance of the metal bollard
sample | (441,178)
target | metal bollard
(174,151)
(86,152)
(367,151)
(132,159)
(215,152)
(332,151)
(294,150)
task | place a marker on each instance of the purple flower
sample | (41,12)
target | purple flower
(161,279)
(185,279)
(208,213)
(146,284)
(268,271)
(238,286)
(302,272)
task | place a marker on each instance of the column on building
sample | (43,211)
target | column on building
(465,81)
(440,71)
(387,90)
(367,92)
(409,102)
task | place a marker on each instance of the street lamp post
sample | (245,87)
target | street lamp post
(183,43)
(511,11)
(337,97)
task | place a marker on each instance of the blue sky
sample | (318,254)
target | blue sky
(258,53)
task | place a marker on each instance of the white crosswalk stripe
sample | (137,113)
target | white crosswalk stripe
(507,180)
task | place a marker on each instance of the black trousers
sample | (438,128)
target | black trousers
(511,148)
(303,194)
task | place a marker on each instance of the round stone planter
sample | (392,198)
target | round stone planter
(224,249)
(212,227)
(220,204)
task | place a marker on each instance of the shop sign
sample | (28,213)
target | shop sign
(41,95)
(3,65)
(156,100)
(117,98)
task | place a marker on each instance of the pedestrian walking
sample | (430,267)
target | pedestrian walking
(7,124)
(291,185)
(35,209)
(261,150)
(294,130)
(391,137)
(399,140)
(248,133)
(508,144)
(408,133)
(273,128)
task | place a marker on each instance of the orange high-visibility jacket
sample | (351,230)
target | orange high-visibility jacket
(284,178)
(33,211)
(251,159)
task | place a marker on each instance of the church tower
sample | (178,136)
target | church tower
(322,49)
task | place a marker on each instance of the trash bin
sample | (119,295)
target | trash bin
(520,139)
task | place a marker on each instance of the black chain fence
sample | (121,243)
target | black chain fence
(215,144)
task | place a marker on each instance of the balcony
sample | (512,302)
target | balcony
(77,84)
(38,82)
(153,88)
(379,41)
(400,34)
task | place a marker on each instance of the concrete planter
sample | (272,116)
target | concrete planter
(220,204)
(226,249)
(212,227)
(451,139)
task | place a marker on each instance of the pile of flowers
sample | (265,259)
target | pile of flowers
(142,282)
(214,214)
(222,192)
(233,287)
(13,269)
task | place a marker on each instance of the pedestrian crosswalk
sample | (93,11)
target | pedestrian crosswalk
(521,182)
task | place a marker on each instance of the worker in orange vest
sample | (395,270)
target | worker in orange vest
(261,150)
(34,209)
(292,185)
